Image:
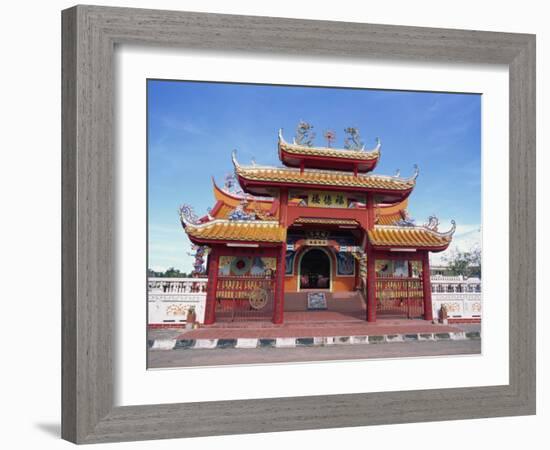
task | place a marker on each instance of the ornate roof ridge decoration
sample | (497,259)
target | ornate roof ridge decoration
(353,140)
(306,150)
(405,221)
(433,223)
(414,175)
(187,216)
(231,184)
(256,169)
(449,233)
(239,212)
(304,134)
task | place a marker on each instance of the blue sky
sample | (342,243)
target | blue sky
(194,126)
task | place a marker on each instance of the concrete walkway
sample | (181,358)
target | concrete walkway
(269,355)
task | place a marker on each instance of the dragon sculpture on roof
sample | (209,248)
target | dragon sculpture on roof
(353,139)
(304,134)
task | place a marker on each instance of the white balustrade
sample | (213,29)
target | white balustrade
(461,296)
(169,299)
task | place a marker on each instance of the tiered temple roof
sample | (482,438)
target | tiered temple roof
(252,215)
(296,155)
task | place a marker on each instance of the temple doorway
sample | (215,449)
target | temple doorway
(315,269)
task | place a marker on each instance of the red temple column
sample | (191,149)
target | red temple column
(427,286)
(283,205)
(371,286)
(370,211)
(279,307)
(210,308)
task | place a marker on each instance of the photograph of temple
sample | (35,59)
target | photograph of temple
(281,228)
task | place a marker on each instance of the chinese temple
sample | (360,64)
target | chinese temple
(322,223)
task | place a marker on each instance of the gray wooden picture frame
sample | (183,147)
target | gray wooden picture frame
(90,34)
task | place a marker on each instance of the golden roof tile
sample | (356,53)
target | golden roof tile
(409,237)
(388,219)
(237,230)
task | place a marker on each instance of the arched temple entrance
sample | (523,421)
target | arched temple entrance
(315,269)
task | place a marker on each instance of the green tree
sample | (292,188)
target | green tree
(467,264)
(171,272)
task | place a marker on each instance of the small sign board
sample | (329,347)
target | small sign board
(317,242)
(316,300)
(319,199)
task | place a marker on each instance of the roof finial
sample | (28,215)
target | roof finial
(353,141)
(187,215)
(234,159)
(281,138)
(433,223)
(451,231)
(415,174)
(376,148)
(230,185)
(330,136)
(406,221)
(304,134)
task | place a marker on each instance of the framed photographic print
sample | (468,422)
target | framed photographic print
(349,222)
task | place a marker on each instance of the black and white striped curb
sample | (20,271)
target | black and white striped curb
(292,342)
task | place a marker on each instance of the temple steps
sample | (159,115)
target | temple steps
(342,302)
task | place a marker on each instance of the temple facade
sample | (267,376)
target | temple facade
(320,223)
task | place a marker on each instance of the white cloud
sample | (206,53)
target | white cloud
(181,125)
